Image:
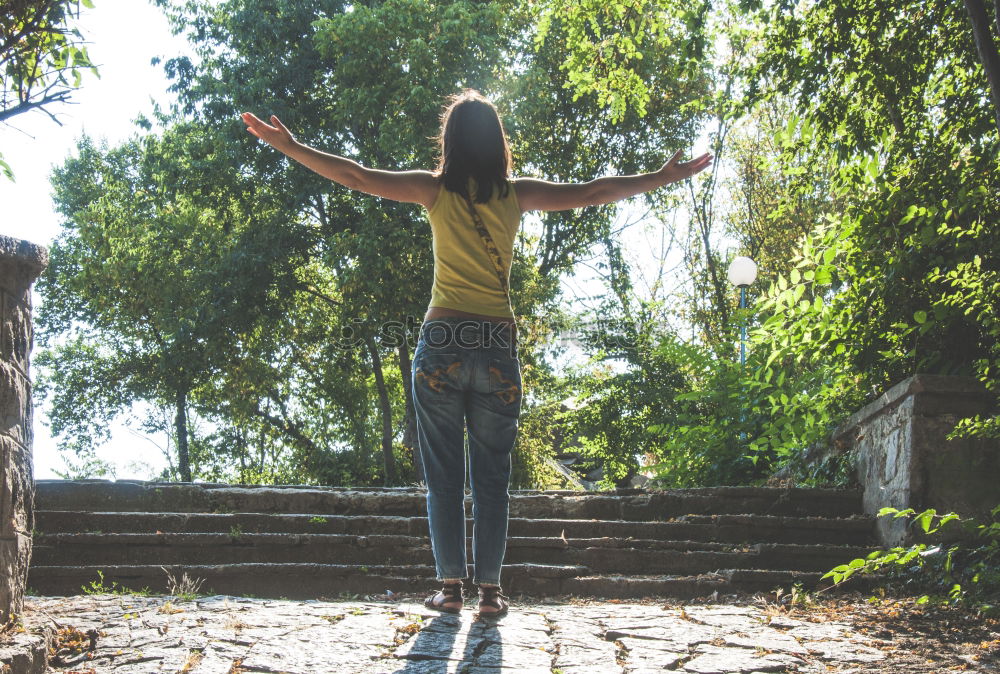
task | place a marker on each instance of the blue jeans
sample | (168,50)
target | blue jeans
(466,374)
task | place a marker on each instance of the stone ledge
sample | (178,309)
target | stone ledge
(957,390)
(904,458)
(29,254)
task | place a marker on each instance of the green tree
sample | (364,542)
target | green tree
(154,283)
(652,402)
(608,42)
(42,58)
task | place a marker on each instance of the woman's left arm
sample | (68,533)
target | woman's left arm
(419,187)
(543,195)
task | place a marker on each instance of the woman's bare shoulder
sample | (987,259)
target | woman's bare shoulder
(434,187)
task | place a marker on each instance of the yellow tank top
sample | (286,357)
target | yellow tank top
(464,277)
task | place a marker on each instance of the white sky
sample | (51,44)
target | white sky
(123,36)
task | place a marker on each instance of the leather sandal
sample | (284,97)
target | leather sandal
(452,592)
(492,596)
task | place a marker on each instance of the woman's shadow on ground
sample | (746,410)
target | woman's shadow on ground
(453,642)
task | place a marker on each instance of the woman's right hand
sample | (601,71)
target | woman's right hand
(277,136)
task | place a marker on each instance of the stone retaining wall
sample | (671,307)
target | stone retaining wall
(20,264)
(904,459)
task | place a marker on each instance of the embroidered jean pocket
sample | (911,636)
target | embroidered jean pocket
(505,380)
(437,371)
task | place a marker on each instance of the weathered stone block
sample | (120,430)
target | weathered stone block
(15,404)
(15,558)
(16,334)
(16,490)
(904,459)
(20,264)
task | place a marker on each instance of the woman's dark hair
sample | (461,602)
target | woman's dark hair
(473,144)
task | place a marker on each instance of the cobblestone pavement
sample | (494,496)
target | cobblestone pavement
(227,635)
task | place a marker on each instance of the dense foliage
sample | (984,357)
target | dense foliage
(865,187)
(899,275)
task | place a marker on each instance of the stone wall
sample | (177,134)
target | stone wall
(904,460)
(20,264)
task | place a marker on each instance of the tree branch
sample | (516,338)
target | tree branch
(987,49)
(25,106)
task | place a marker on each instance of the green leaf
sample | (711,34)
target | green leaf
(6,170)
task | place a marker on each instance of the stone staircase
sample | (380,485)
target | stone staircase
(301,541)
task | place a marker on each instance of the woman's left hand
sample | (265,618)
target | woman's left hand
(675,170)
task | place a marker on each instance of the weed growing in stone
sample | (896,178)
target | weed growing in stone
(98,587)
(186,589)
(169,608)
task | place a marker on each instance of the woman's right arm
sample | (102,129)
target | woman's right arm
(419,187)
(543,195)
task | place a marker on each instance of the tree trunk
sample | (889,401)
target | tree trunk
(261,452)
(996,15)
(386,407)
(722,306)
(243,447)
(410,421)
(180,424)
(987,50)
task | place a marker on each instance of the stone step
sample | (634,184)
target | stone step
(724,581)
(857,530)
(630,504)
(331,581)
(604,555)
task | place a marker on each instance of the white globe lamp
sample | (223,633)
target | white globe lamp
(742,271)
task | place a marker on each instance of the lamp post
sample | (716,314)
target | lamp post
(742,272)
